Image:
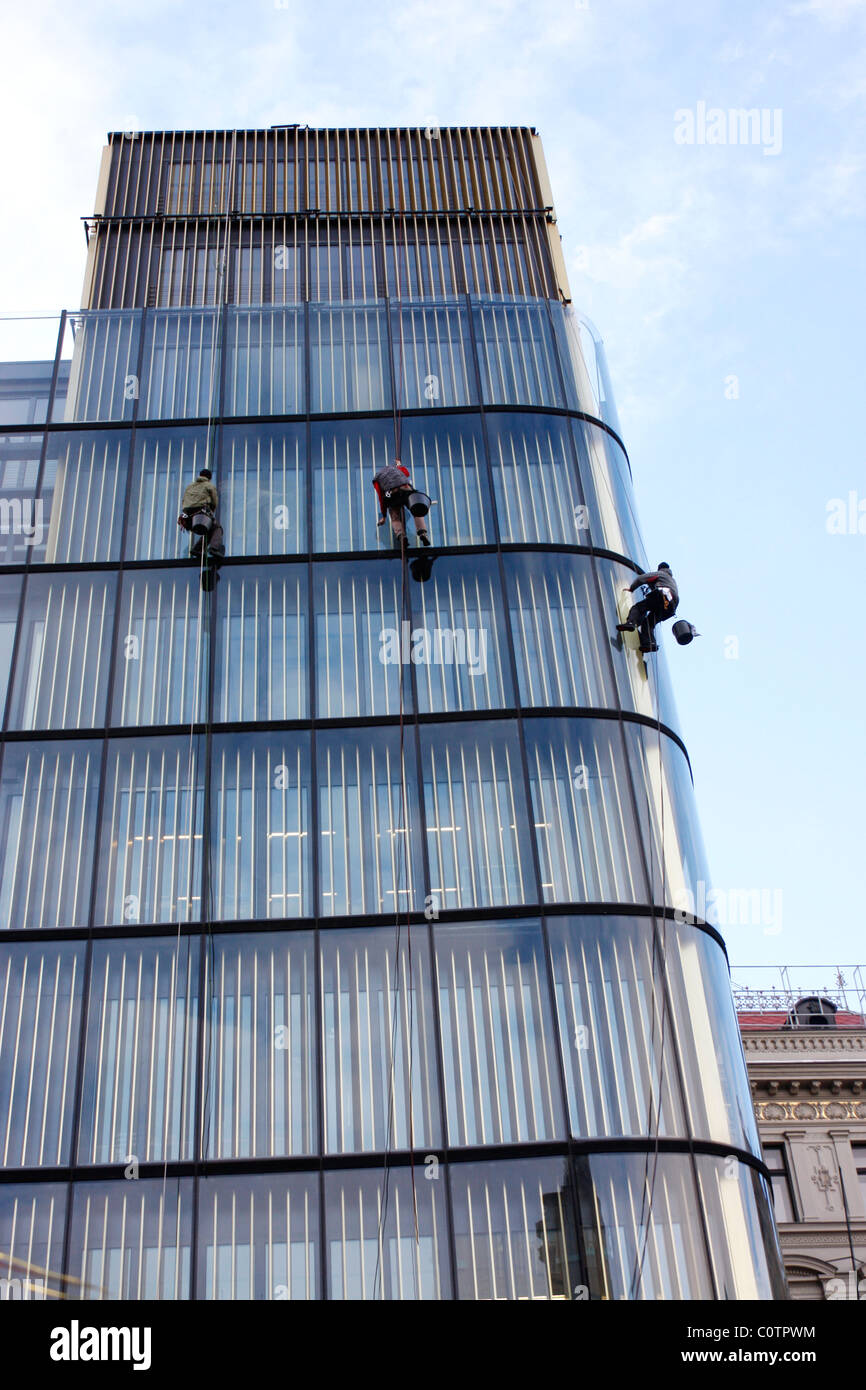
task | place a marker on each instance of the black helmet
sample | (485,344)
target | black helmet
(665,566)
(206,473)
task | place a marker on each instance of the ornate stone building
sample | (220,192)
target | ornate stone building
(806,1057)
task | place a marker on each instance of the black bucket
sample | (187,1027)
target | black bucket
(201,524)
(684,632)
(418,503)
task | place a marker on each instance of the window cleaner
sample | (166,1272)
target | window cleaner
(199,516)
(395,491)
(658,604)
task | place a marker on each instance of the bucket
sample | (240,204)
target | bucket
(418,503)
(684,632)
(201,524)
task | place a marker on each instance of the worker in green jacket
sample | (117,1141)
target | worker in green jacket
(201,497)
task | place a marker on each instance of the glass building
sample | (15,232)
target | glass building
(341,948)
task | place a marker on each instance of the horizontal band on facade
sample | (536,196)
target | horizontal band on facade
(204,1168)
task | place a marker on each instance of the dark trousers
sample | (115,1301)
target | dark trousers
(649,611)
(215,539)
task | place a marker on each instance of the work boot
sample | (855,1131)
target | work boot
(423,538)
(626,627)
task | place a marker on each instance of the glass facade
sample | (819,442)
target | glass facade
(364,866)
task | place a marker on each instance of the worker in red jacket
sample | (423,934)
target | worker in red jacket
(393,486)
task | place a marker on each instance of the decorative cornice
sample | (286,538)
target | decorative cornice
(777,1109)
(852,1042)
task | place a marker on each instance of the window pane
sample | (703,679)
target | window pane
(260,841)
(433,363)
(82,497)
(131,1240)
(264,370)
(644,1250)
(64,648)
(369,856)
(377,1036)
(557,631)
(166,460)
(181,368)
(154,798)
(743,1241)
(669,821)
(476,816)
(103,380)
(260,1082)
(538,495)
(345,456)
(514,1230)
(445,458)
(502,1078)
(10,594)
(261,647)
(349,365)
(138,1094)
(32,1220)
(263,489)
(23,520)
(40,1009)
(47,831)
(259,1237)
(608,492)
(360,639)
(516,354)
(386,1239)
(585,826)
(160,675)
(459,653)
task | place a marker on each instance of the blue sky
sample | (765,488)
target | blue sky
(699,263)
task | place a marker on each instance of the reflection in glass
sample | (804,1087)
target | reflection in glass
(644,1250)
(499,1048)
(103,380)
(131,1240)
(668,815)
(585,827)
(149,858)
(608,491)
(47,830)
(261,646)
(377,1039)
(64,649)
(476,816)
(40,1007)
(557,631)
(259,1237)
(386,1238)
(514,1230)
(359,640)
(368,850)
(140,1051)
(260,1078)
(161,669)
(459,655)
(259,858)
